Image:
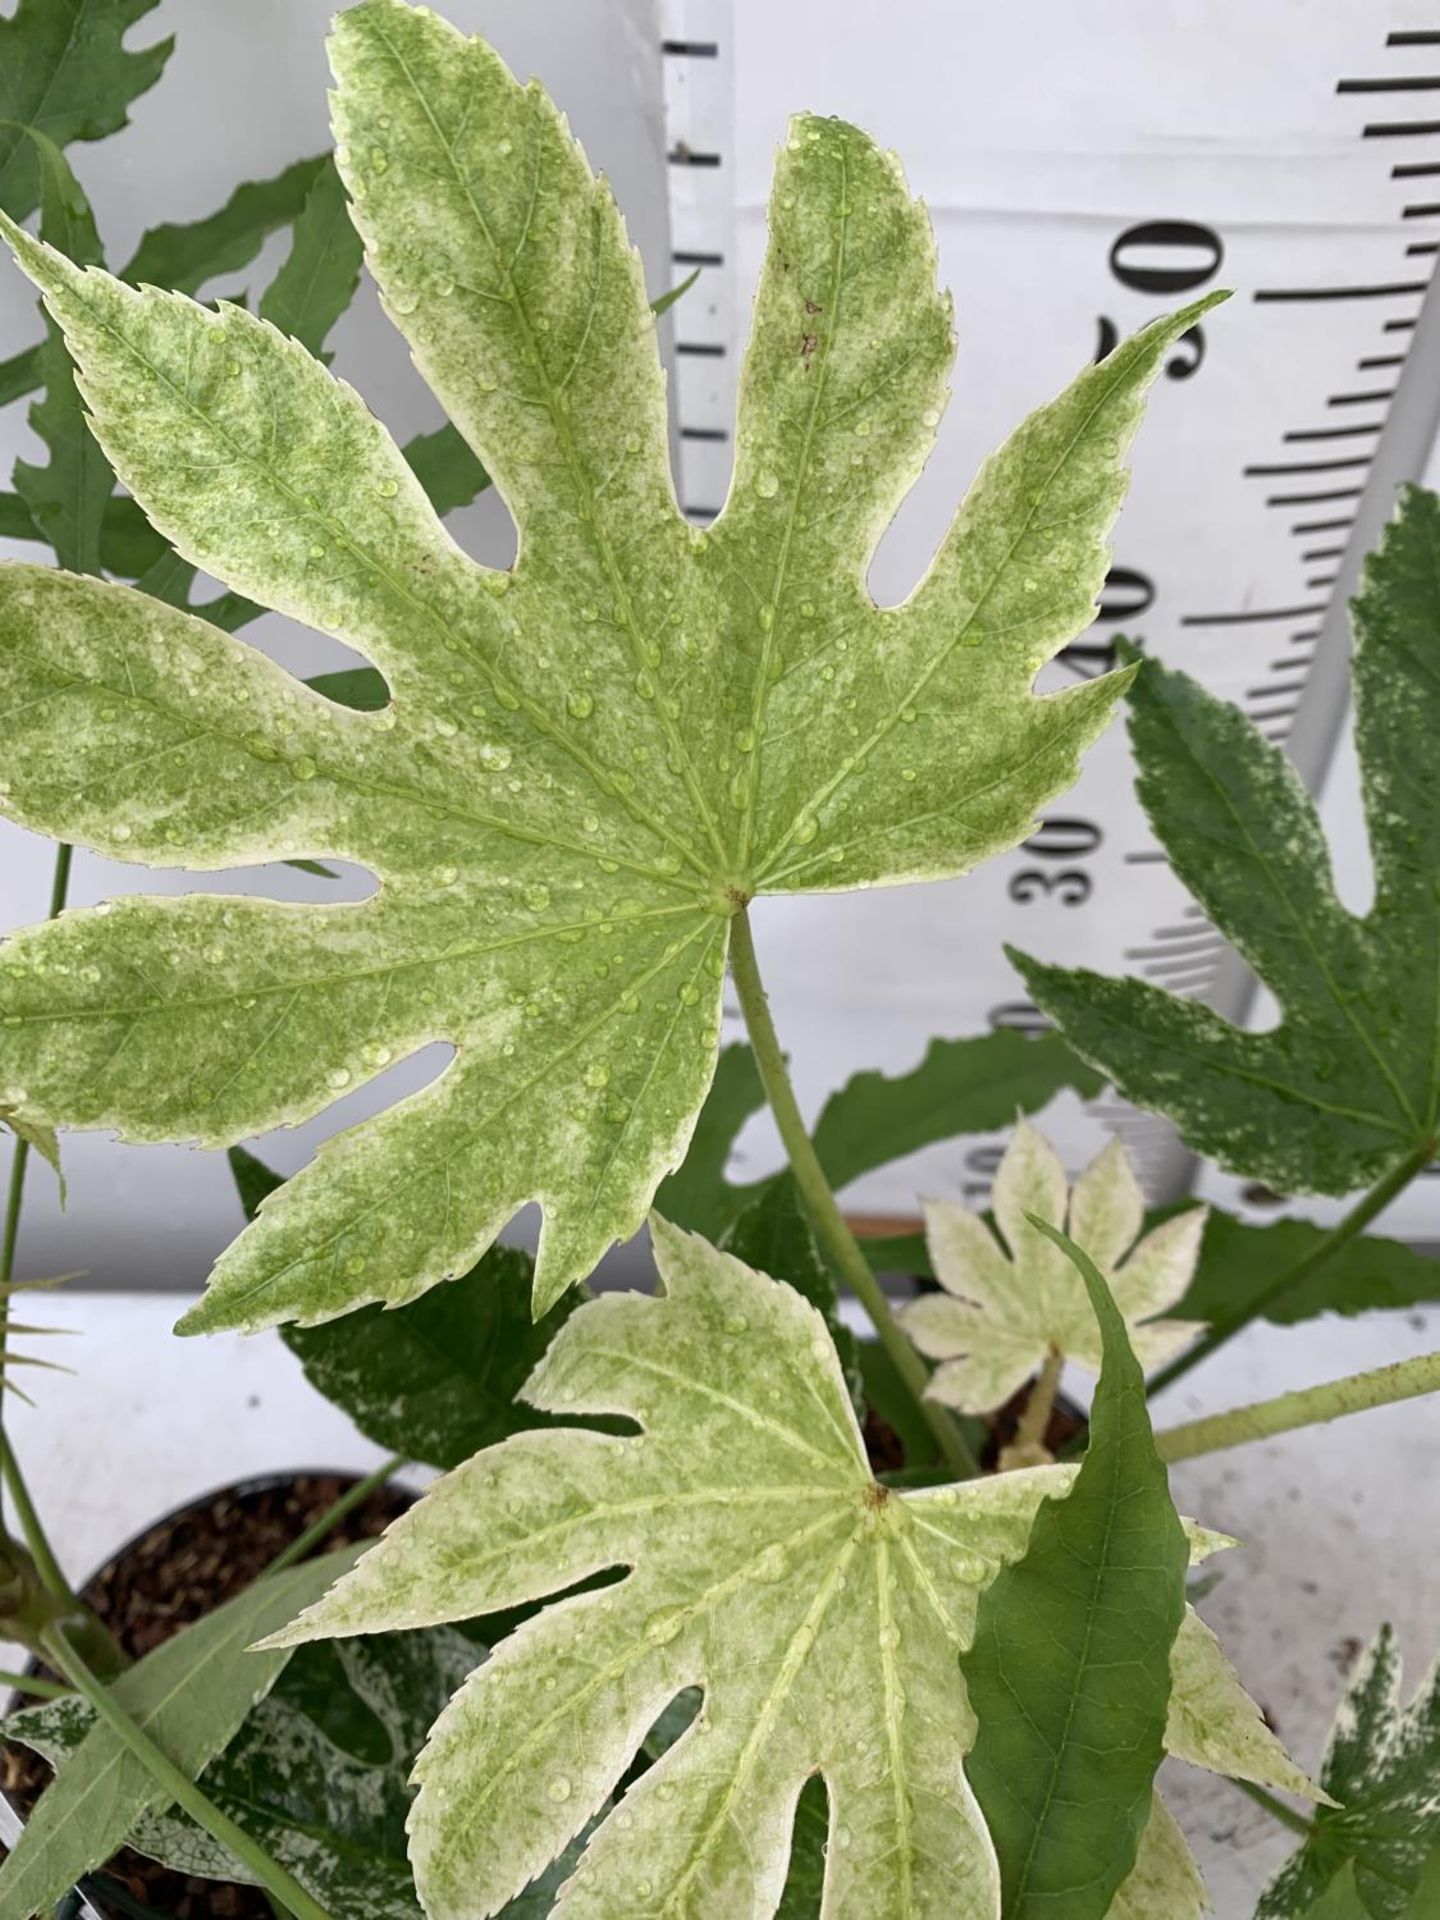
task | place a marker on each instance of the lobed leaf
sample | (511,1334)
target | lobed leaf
(586,763)
(1239,1262)
(1348,1084)
(65,73)
(438,1379)
(65,498)
(961,1086)
(1005,1308)
(1069,1671)
(1382,1773)
(317,1772)
(190,1695)
(819,1613)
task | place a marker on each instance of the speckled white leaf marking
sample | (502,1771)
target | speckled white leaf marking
(820,1614)
(585,762)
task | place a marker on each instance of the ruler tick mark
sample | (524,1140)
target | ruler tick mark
(1382,290)
(1400,129)
(1305,499)
(1414,170)
(1365,399)
(1330,433)
(1416,83)
(1312,466)
(1244,619)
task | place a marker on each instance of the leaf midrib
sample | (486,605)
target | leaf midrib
(629,624)
(332,771)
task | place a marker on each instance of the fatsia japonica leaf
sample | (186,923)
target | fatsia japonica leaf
(1069,1673)
(961,1086)
(1382,1769)
(1347,1085)
(438,1379)
(66,496)
(1240,1262)
(588,762)
(1006,1307)
(190,1695)
(820,1613)
(65,72)
(317,1774)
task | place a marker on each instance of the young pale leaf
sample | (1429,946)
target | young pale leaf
(1348,1084)
(66,497)
(1069,1674)
(588,762)
(961,1086)
(438,1379)
(1382,1767)
(317,1773)
(190,1695)
(65,73)
(820,1613)
(1005,1308)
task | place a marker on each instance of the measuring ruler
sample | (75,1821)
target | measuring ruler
(1086,169)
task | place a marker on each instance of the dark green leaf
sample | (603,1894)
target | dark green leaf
(319,278)
(1239,1262)
(805,1882)
(15,521)
(446,468)
(183,256)
(66,497)
(19,375)
(65,73)
(961,1086)
(319,1772)
(435,1380)
(1383,1768)
(1069,1673)
(359,687)
(663,302)
(891,1400)
(697,1195)
(774,1236)
(1347,1086)
(190,1695)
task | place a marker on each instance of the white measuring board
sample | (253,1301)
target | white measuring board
(1086,169)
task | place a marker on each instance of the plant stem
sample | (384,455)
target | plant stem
(52,1576)
(820,1203)
(1035,1421)
(1356,1393)
(31,1683)
(1277,1809)
(335,1513)
(178,1785)
(1359,1217)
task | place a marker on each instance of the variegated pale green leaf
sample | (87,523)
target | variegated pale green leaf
(587,763)
(1345,1087)
(820,1613)
(1007,1306)
(1382,1767)
(1164,1883)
